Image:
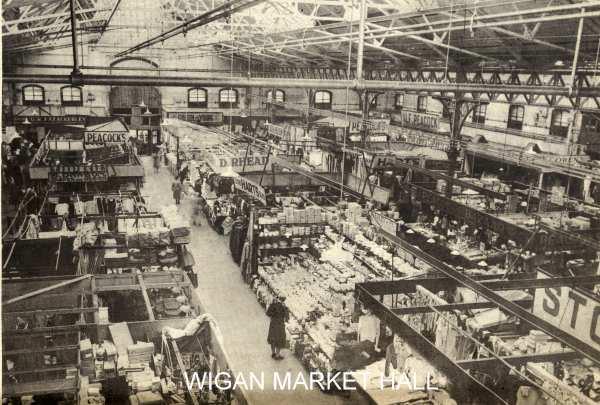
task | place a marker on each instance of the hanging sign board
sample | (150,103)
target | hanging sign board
(413,119)
(52,119)
(239,163)
(78,173)
(383,221)
(377,138)
(420,138)
(573,312)
(275,130)
(100,138)
(380,125)
(252,189)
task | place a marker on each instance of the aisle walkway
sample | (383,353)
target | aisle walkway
(240,317)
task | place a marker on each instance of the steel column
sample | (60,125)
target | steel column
(76,71)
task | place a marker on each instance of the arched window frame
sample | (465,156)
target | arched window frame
(37,96)
(197,102)
(67,97)
(559,122)
(225,99)
(399,101)
(323,99)
(516,112)
(279,95)
(422,104)
(479,113)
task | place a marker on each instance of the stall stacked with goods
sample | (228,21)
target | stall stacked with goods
(93,349)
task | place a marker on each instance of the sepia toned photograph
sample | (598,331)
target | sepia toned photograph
(300,202)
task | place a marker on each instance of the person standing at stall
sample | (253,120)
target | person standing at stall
(177,189)
(279,316)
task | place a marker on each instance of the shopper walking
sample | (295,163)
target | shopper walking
(177,189)
(279,316)
(156,162)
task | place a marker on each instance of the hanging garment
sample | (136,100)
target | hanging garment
(62,209)
(529,396)
(33,228)
(91,207)
(395,356)
(79,208)
(246,265)
(368,328)
(128,205)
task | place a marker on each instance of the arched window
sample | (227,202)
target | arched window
(71,96)
(322,99)
(559,125)
(399,101)
(422,104)
(515,117)
(479,113)
(33,95)
(197,98)
(228,98)
(279,95)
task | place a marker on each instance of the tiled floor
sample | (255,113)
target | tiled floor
(240,317)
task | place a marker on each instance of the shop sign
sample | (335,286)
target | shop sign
(250,188)
(429,141)
(239,164)
(275,130)
(380,125)
(384,222)
(414,119)
(52,119)
(573,312)
(355,127)
(104,137)
(78,173)
(378,138)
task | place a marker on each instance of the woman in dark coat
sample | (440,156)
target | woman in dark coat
(279,316)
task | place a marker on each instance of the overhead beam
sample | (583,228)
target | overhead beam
(222,11)
(22,3)
(130,80)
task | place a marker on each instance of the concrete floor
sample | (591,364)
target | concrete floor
(240,317)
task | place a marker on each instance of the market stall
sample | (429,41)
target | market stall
(88,357)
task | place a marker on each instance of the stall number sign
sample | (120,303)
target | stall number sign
(252,189)
(104,138)
(569,310)
(385,222)
(79,174)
